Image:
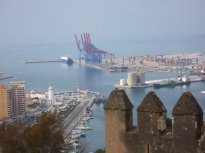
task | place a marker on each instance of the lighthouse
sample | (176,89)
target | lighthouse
(50,95)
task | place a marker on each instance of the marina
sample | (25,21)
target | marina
(73,107)
(75,124)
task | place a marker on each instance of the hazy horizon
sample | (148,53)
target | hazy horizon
(26,22)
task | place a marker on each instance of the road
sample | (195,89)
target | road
(73,118)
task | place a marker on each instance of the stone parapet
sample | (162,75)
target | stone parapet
(152,134)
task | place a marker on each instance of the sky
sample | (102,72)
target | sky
(25,22)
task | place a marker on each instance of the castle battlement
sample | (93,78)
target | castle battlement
(154,132)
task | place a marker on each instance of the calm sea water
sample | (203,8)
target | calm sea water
(64,77)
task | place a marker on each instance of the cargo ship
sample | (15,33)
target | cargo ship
(67,60)
(172,83)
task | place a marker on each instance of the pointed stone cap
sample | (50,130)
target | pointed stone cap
(151,103)
(118,100)
(187,105)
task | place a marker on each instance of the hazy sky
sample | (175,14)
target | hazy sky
(56,21)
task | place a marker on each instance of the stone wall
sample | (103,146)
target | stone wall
(152,134)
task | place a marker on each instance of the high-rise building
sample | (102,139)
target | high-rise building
(17,90)
(4,102)
(12,100)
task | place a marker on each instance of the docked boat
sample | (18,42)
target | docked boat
(83,134)
(75,135)
(67,60)
(88,112)
(76,131)
(172,83)
(84,127)
(87,118)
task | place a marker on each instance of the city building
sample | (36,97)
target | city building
(36,94)
(12,100)
(4,102)
(18,95)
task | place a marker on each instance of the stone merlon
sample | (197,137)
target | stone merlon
(151,103)
(187,105)
(118,100)
(154,133)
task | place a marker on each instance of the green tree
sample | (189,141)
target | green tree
(46,136)
(12,139)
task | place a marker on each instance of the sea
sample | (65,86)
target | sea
(68,77)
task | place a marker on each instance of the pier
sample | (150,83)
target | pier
(4,76)
(42,61)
